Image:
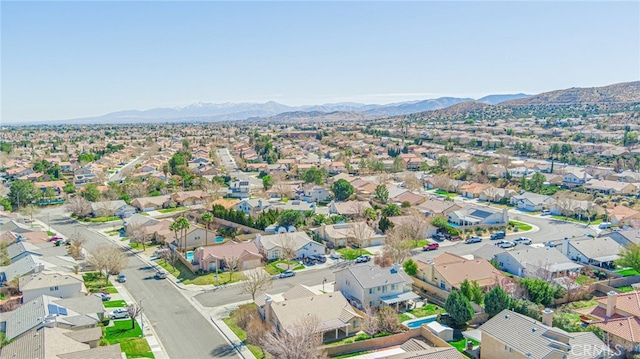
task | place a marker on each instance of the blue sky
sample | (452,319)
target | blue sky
(64,60)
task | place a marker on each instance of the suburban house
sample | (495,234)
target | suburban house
(374,286)
(275,246)
(472,190)
(147,204)
(336,317)
(21,249)
(438,208)
(155,230)
(53,284)
(27,265)
(626,237)
(340,235)
(475,215)
(246,253)
(196,236)
(600,251)
(447,271)
(315,194)
(621,215)
(252,206)
(348,208)
(496,194)
(618,315)
(413,199)
(535,262)
(189,198)
(611,187)
(239,189)
(512,335)
(428,230)
(575,178)
(111,208)
(531,202)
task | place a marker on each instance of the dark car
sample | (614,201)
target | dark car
(288,273)
(431,247)
(320,259)
(498,235)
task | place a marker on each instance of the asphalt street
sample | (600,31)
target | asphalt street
(182,330)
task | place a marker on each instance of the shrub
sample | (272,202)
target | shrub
(362,336)
(382,334)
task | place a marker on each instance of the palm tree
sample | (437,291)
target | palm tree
(207,218)
(183,225)
(175,227)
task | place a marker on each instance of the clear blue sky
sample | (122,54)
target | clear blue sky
(64,60)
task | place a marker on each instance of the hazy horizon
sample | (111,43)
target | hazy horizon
(69,60)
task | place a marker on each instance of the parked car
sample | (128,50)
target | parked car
(105,297)
(591,235)
(604,225)
(122,278)
(473,239)
(522,240)
(160,252)
(320,258)
(160,275)
(288,273)
(545,212)
(335,255)
(55,239)
(431,247)
(363,259)
(549,244)
(498,235)
(505,244)
(119,314)
(439,236)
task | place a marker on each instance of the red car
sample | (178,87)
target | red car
(53,239)
(431,247)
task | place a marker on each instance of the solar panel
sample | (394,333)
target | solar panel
(53,309)
(62,311)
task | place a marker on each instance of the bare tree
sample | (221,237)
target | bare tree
(388,320)
(360,234)
(79,206)
(134,310)
(575,291)
(415,227)
(108,208)
(566,206)
(137,190)
(299,342)
(108,260)
(171,257)
(136,233)
(30,211)
(397,247)
(491,193)
(287,245)
(280,186)
(231,263)
(76,241)
(256,281)
(256,330)
(441,182)
(369,321)
(411,182)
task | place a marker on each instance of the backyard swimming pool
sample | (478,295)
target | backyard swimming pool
(219,239)
(189,256)
(417,323)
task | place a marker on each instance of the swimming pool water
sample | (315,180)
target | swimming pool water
(417,323)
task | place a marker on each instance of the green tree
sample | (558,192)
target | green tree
(410,267)
(289,217)
(207,218)
(442,163)
(267,182)
(439,222)
(313,175)
(630,257)
(69,188)
(536,182)
(495,301)
(472,291)
(385,224)
(91,192)
(391,210)
(381,193)
(539,290)
(22,192)
(459,308)
(342,189)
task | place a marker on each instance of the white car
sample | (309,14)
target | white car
(522,240)
(474,239)
(119,314)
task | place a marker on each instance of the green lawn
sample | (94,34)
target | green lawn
(94,283)
(187,277)
(169,210)
(582,304)
(521,226)
(50,234)
(115,304)
(273,268)
(445,193)
(349,253)
(403,317)
(427,310)
(571,219)
(584,280)
(103,219)
(461,344)
(625,289)
(131,341)
(628,272)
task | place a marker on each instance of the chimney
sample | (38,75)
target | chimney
(547,317)
(260,204)
(565,246)
(612,297)
(267,310)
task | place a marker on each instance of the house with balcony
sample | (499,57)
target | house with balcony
(370,285)
(61,285)
(239,189)
(447,271)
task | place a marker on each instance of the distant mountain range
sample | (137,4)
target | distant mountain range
(210,112)
(492,106)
